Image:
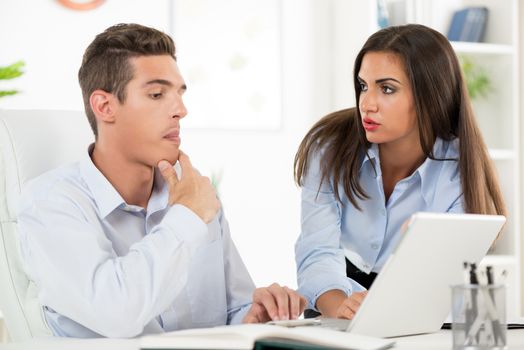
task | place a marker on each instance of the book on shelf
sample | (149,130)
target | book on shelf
(261,336)
(382,14)
(468,24)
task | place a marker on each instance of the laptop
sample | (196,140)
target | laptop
(411,295)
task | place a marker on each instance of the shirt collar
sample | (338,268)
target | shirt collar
(159,196)
(107,197)
(373,153)
(441,150)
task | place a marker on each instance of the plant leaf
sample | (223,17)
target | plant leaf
(12,71)
(8,92)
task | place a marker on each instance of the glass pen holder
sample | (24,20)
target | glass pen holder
(478,316)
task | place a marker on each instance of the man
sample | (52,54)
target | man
(119,244)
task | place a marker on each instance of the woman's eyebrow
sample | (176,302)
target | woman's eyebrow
(378,81)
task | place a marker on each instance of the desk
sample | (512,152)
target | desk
(435,341)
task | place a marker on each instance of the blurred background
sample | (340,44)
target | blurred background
(259,74)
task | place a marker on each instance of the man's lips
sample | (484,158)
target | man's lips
(173,135)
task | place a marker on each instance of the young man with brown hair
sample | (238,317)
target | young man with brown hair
(120,244)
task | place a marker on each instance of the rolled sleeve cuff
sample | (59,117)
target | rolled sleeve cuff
(236,316)
(187,226)
(345,284)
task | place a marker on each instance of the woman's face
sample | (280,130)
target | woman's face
(386,100)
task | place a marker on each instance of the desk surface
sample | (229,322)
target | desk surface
(435,341)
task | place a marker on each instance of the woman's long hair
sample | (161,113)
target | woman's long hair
(443,110)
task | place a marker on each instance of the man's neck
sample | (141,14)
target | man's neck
(133,181)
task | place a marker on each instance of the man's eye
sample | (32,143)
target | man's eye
(156,96)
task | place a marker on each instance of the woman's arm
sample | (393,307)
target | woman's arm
(321,264)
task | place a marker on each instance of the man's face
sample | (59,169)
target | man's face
(147,124)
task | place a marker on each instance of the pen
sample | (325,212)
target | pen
(498,333)
(489,274)
(493,328)
(473,280)
(467,299)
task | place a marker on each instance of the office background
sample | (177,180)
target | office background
(250,105)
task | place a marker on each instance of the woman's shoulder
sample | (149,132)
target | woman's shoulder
(447,149)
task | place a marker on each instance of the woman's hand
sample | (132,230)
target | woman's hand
(350,305)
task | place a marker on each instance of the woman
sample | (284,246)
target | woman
(411,145)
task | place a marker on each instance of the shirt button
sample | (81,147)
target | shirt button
(374,246)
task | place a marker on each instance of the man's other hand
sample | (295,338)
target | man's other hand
(275,303)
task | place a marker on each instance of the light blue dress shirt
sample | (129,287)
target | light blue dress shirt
(105,268)
(332,232)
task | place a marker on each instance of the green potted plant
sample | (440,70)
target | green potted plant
(477,80)
(10,72)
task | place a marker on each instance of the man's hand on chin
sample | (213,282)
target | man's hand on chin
(275,303)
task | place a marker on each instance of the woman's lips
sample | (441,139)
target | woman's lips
(369,124)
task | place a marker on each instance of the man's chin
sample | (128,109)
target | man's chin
(171,157)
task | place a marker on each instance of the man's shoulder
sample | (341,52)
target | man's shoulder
(62,181)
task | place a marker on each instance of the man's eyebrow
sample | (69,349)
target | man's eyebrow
(159,81)
(164,82)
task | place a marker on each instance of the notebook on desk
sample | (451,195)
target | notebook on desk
(411,295)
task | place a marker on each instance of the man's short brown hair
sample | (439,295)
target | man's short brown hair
(106,65)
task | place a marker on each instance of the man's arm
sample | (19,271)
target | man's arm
(271,303)
(79,275)
(239,285)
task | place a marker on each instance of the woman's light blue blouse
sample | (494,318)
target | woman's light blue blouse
(331,231)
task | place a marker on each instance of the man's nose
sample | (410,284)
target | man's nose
(179,108)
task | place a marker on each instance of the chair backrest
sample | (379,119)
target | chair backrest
(31,143)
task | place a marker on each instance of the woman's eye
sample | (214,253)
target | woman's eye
(156,96)
(363,87)
(388,90)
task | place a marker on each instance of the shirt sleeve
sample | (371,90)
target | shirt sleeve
(79,275)
(240,286)
(321,264)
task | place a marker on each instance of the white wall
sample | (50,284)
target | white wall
(319,41)
(51,40)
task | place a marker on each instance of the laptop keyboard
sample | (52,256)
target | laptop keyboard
(330,323)
(335,323)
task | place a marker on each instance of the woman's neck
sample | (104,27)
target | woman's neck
(398,161)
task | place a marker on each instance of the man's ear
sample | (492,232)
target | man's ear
(103,105)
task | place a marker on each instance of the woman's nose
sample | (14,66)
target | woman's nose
(368,102)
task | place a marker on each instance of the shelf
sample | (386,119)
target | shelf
(499,259)
(502,154)
(482,48)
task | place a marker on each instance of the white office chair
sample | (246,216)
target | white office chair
(31,142)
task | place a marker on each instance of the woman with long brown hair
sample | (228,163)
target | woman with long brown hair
(411,145)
